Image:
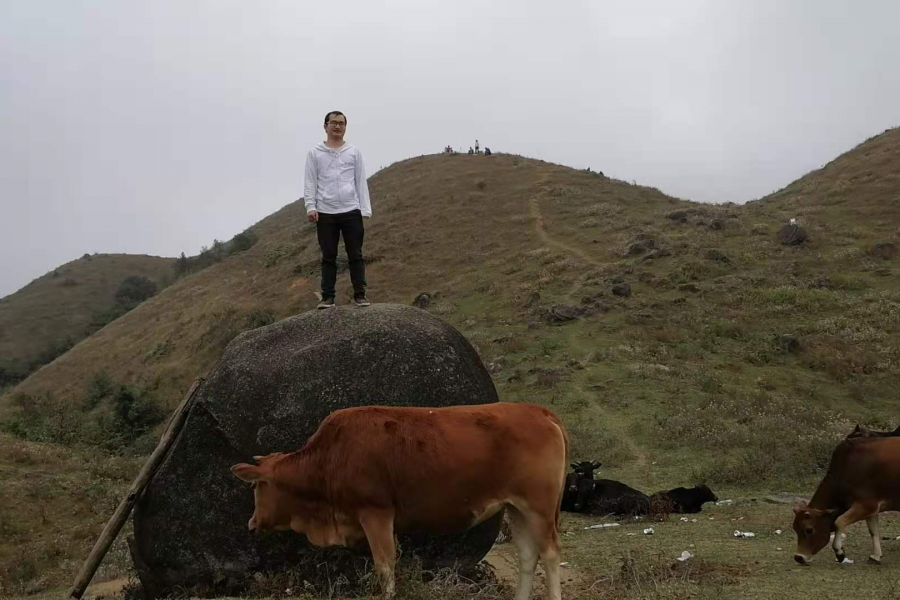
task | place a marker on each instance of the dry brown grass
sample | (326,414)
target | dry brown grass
(662,387)
(58,306)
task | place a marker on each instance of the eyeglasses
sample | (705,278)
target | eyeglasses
(337,123)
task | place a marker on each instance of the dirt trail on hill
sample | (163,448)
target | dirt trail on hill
(540,230)
(641,456)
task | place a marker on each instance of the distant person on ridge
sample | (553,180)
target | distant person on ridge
(337,198)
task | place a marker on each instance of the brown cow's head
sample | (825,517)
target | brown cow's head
(269,512)
(813,527)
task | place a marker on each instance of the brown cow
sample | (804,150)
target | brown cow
(862,481)
(373,471)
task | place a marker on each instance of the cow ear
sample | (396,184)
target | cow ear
(856,429)
(245,472)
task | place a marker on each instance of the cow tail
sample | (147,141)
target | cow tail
(562,489)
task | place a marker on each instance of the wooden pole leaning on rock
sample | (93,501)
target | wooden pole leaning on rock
(115,523)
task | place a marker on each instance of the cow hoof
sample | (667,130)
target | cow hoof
(840,557)
(873,561)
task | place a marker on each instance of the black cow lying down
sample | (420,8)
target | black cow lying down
(584,494)
(579,485)
(600,497)
(682,500)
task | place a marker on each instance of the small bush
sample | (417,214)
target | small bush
(100,387)
(134,289)
(259,317)
(113,417)
(242,241)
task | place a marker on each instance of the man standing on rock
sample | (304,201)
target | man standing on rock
(337,198)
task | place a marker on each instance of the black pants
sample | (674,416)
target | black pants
(329,228)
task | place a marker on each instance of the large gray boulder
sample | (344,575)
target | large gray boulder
(268,393)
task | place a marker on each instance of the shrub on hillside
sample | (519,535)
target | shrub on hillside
(9,376)
(49,353)
(134,289)
(209,256)
(41,419)
(113,417)
(101,318)
(242,241)
(260,317)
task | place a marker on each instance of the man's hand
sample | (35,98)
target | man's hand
(312,216)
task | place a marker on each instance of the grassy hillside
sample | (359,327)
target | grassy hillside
(55,311)
(689,377)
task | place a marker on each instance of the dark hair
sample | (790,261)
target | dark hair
(335,112)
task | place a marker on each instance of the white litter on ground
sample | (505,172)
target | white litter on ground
(693,520)
(648,531)
(847,561)
(602,525)
(724,502)
(564,564)
(685,519)
(744,534)
(685,555)
(777,532)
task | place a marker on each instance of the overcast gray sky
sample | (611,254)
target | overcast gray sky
(154,127)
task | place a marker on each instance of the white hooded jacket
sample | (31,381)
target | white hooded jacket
(335,180)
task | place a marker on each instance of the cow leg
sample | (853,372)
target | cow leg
(550,557)
(528,551)
(875,531)
(537,537)
(856,512)
(378,526)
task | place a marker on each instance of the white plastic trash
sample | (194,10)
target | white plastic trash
(744,534)
(602,525)
(685,555)
(685,519)
(777,532)
(648,531)
(724,502)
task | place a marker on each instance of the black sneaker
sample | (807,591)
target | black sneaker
(361,301)
(326,303)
